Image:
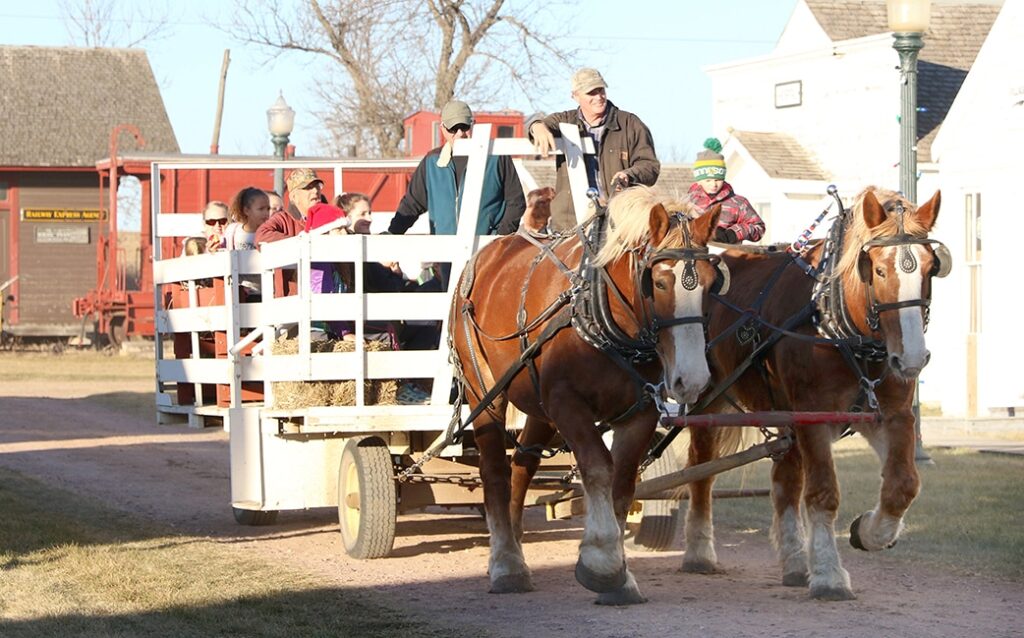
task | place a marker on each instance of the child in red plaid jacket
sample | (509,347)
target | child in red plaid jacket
(738,220)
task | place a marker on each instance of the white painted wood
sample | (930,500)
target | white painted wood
(274,472)
(577,172)
(179,225)
(190,268)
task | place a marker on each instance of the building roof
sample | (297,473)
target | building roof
(674,179)
(58,105)
(954,37)
(780,155)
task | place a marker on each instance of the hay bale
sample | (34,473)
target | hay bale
(306,394)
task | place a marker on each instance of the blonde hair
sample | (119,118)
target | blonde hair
(629,214)
(215,203)
(195,246)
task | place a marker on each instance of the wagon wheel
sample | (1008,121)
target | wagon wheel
(117,333)
(367,498)
(659,521)
(254,517)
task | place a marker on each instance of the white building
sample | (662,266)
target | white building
(824,108)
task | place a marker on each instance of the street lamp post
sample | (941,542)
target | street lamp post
(280,121)
(908,20)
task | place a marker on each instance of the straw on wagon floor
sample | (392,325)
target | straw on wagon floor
(304,394)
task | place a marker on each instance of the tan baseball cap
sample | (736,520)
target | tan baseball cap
(586,80)
(456,112)
(301,178)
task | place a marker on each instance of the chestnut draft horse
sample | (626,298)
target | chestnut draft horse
(634,283)
(875,307)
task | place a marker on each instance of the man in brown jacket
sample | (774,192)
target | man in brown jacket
(623,144)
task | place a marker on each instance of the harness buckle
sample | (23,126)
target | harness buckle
(655,391)
(868,385)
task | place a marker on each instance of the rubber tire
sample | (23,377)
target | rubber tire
(117,332)
(659,523)
(367,498)
(254,517)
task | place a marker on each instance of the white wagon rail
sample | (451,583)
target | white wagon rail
(295,458)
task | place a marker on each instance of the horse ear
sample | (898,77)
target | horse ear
(704,226)
(659,224)
(929,212)
(874,214)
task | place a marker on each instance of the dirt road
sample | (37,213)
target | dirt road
(180,476)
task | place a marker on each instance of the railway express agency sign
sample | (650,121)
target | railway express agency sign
(51,215)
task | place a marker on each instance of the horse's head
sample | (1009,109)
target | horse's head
(888,263)
(675,276)
(678,279)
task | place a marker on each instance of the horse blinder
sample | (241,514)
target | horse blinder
(864,266)
(723,278)
(647,283)
(943,260)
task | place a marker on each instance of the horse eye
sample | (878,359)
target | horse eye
(880,271)
(659,285)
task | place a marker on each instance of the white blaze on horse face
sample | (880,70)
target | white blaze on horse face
(915,355)
(687,374)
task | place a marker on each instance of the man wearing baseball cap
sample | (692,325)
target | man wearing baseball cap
(437,184)
(305,190)
(624,147)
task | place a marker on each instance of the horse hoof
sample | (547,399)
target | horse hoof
(700,567)
(621,597)
(855,534)
(795,579)
(512,584)
(832,593)
(600,583)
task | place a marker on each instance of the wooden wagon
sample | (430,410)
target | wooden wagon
(216,361)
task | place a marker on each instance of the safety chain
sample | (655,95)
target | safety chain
(463,480)
(454,432)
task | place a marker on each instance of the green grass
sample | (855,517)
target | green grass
(72,567)
(968,518)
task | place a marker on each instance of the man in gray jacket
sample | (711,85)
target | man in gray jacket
(623,144)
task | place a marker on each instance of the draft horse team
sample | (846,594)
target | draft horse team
(589,330)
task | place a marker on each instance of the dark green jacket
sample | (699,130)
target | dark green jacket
(439,190)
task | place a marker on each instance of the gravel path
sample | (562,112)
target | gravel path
(180,477)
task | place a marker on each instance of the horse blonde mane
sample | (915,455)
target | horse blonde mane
(629,213)
(859,233)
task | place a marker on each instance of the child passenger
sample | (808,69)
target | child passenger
(738,221)
(249,209)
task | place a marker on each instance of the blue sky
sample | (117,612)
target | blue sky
(650,52)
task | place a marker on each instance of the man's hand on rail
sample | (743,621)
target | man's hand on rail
(543,140)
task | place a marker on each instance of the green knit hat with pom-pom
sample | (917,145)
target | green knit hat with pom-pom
(710,162)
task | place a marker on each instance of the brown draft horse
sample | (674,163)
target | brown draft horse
(660,276)
(884,269)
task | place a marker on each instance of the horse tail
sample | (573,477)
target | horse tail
(729,440)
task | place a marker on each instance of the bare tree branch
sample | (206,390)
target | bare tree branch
(391,58)
(108,23)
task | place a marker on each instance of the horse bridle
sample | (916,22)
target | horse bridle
(689,255)
(907,263)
